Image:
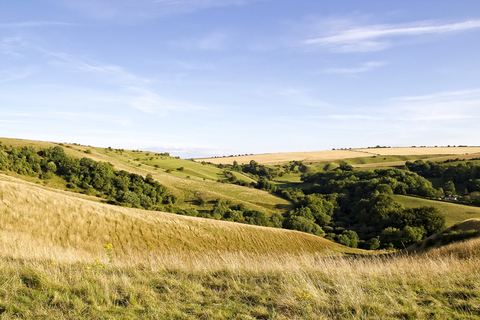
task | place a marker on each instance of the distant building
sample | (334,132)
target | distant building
(451,197)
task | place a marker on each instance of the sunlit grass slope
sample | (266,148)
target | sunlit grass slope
(32,216)
(454,213)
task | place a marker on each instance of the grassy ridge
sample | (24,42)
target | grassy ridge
(65,221)
(335,155)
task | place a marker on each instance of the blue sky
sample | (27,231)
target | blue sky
(218,77)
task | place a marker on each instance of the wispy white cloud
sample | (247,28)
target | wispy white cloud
(441,106)
(113,72)
(445,96)
(379,37)
(13,75)
(365,67)
(152,103)
(11,47)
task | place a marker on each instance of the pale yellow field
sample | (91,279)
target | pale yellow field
(434,159)
(333,155)
(273,158)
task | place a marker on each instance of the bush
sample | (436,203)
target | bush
(303,224)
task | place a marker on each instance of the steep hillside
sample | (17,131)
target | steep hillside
(36,219)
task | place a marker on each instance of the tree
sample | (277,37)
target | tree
(449,187)
(411,235)
(372,244)
(303,224)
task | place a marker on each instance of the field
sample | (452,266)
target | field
(335,155)
(454,213)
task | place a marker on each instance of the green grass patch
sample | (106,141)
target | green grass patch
(454,213)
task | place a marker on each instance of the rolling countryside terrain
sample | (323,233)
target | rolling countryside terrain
(70,253)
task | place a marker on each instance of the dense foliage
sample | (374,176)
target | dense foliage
(456,177)
(355,208)
(96,178)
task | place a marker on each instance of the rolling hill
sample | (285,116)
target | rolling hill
(39,219)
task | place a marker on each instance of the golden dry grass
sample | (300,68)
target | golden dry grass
(179,285)
(274,158)
(32,217)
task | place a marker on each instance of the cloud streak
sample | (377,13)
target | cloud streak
(365,67)
(379,37)
(154,104)
(114,72)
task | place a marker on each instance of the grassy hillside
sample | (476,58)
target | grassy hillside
(48,218)
(454,213)
(193,182)
(451,241)
(237,285)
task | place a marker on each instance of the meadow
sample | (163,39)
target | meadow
(240,285)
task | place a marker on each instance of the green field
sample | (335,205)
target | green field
(454,213)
